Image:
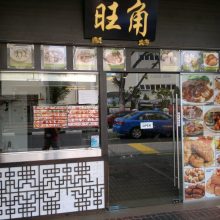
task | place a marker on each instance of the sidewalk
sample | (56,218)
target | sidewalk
(209,210)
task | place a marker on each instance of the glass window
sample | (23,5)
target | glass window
(173,87)
(168,86)
(156,116)
(42,111)
(157,87)
(142,87)
(152,87)
(147,87)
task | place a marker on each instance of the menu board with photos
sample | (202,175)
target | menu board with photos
(53,57)
(83,116)
(50,116)
(201,135)
(20,56)
(66,116)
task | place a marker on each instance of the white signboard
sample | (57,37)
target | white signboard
(147,125)
(88,96)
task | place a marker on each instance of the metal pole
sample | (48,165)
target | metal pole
(174,142)
(177,143)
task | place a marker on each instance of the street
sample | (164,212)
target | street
(116,145)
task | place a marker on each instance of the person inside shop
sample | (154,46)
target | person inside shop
(51,138)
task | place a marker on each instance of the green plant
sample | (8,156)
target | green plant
(58,93)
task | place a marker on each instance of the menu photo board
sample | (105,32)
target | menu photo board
(169,60)
(83,116)
(50,117)
(80,116)
(201,136)
(84,58)
(53,57)
(20,56)
(114,59)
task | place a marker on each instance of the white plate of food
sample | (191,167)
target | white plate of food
(114,57)
(210,59)
(193,128)
(86,56)
(197,90)
(53,55)
(192,112)
(212,120)
(20,54)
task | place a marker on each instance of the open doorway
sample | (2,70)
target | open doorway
(143,139)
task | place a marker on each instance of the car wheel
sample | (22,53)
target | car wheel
(136,133)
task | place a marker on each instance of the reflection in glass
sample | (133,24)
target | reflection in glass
(140,139)
(145,60)
(48,110)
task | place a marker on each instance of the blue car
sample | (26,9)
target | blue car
(140,123)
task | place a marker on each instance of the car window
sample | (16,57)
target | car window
(155,116)
(122,114)
(129,115)
(143,117)
(163,116)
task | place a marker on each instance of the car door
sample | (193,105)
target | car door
(147,123)
(162,123)
(156,123)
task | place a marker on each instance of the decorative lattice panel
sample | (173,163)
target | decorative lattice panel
(36,190)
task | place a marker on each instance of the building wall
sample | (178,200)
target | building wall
(181,24)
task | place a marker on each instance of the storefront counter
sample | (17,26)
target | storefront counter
(49,155)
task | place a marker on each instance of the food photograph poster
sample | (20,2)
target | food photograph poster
(20,56)
(113,59)
(53,57)
(84,58)
(201,135)
(169,60)
(199,61)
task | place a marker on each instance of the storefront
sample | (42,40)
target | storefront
(57,88)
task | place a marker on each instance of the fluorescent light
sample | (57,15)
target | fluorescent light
(53,77)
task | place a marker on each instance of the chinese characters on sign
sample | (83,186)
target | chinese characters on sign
(120,19)
(138,19)
(100,17)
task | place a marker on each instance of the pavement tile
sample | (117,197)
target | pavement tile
(198,214)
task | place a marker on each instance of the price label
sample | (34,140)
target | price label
(147,125)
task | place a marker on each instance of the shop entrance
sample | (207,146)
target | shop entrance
(143,139)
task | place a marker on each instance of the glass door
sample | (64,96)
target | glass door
(143,139)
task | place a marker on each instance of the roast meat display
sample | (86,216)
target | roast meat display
(197,89)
